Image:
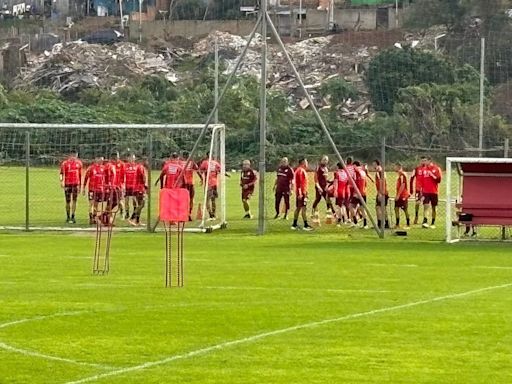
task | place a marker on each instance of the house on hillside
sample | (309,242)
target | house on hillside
(309,17)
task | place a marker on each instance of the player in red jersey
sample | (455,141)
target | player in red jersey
(171,176)
(301,191)
(417,186)
(340,188)
(119,179)
(71,180)
(351,170)
(431,179)
(210,170)
(283,186)
(402,196)
(361,180)
(321,184)
(188,180)
(352,201)
(247,182)
(95,181)
(111,194)
(382,194)
(135,188)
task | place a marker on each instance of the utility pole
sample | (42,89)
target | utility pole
(263,120)
(482,85)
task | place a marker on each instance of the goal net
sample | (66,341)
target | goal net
(479,206)
(31,154)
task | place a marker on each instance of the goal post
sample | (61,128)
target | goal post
(478,198)
(30,155)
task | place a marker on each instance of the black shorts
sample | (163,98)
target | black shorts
(96,196)
(247,193)
(431,198)
(139,195)
(212,193)
(301,202)
(70,191)
(378,202)
(354,200)
(323,194)
(112,197)
(191,190)
(282,192)
(341,201)
(402,203)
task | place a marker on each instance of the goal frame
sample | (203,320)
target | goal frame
(452,162)
(204,227)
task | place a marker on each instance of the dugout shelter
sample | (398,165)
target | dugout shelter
(479,194)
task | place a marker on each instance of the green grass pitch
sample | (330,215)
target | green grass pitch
(288,307)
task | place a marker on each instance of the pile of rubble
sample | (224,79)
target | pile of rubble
(317,59)
(73,66)
(226,41)
(77,65)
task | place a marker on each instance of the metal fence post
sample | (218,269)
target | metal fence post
(27,180)
(150,167)
(383,208)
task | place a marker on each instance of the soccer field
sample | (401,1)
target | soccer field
(335,305)
(288,307)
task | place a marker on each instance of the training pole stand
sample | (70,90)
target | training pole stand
(105,219)
(174,250)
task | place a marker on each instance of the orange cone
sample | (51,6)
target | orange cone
(199,215)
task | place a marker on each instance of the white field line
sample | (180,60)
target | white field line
(392,265)
(26,352)
(43,317)
(490,267)
(77,257)
(94,285)
(242,288)
(264,335)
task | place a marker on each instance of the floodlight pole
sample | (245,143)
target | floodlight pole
(263,119)
(27,180)
(121,14)
(216,86)
(482,85)
(381,187)
(140,21)
(322,124)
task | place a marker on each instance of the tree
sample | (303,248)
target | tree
(453,14)
(394,69)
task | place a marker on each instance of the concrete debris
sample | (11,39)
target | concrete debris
(318,59)
(73,66)
(226,41)
(77,65)
(304,103)
(427,38)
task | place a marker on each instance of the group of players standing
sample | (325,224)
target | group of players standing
(113,184)
(349,202)
(110,184)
